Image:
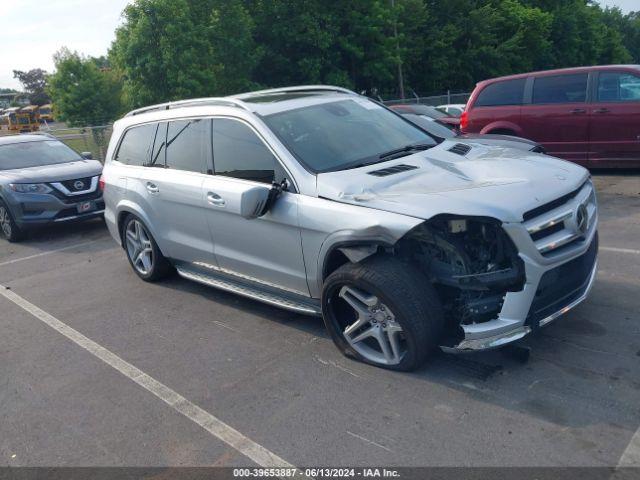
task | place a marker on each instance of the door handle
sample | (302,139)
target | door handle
(215,199)
(601,110)
(576,111)
(152,188)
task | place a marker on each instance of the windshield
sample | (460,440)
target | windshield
(431,125)
(35,154)
(343,134)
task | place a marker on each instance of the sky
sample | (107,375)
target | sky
(33,30)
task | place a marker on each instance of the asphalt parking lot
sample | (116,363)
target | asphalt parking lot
(276,378)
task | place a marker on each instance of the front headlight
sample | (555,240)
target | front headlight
(30,187)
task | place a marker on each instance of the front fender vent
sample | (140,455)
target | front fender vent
(460,149)
(392,170)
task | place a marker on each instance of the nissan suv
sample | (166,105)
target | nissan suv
(324,202)
(44,182)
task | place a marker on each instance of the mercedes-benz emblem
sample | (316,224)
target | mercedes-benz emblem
(582,219)
(78,184)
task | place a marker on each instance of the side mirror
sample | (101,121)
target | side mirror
(87,155)
(253,202)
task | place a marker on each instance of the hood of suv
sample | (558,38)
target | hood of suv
(491,181)
(52,173)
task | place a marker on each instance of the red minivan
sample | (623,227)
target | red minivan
(589,115)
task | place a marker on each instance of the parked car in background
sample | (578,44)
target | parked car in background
(454,109)
(42,181)
(589,115)
(321,201)
(427,111)
(442,132)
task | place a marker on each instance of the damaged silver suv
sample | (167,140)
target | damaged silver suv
(323,202)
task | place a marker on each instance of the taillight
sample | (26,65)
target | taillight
(464,120)
(101,183)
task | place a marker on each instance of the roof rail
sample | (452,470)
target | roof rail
(193,102)
(299,88)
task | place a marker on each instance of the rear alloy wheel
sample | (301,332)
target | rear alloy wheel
(143,252)
(8,226)
(382,312)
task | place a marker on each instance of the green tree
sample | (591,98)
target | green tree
(84,93)
(35,83)
(172,49)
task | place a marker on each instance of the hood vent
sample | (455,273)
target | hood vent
(460,149)
(392,170)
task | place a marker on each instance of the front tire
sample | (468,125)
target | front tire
(143,253)
(382,312)
(8,226)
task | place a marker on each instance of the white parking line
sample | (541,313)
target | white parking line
(620,250)
(210,423)
(69,247)
(631,455)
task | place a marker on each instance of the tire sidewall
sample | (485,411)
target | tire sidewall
(16,232)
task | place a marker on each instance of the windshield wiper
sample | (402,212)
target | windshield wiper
(415,147)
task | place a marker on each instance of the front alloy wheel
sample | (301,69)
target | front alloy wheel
(375,334)
(9,229)
(382,311)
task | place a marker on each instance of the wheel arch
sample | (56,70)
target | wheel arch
(503,126)
(128,208)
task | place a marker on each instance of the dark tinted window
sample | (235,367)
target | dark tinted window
(135,148)
(238,152)
(508,92)
(560,89)
(35,154)
(189,144)
(618,87)
(159,147)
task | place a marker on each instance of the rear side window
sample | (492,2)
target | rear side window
(135,147)
(189,145)
(508,92)
(560,89)
(238,152)
(618,87)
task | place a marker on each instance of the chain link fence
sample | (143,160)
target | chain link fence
(434,100)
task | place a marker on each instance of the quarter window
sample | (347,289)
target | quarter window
(508,92)
(618,87)
(136,145)
(560,89)
(189,144)
(238,152)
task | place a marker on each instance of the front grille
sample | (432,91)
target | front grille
(560,223)
(78,184)
(562,286)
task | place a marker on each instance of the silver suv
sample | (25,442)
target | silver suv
(324,202)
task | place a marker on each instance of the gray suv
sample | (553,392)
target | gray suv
(43,182)
(324,202)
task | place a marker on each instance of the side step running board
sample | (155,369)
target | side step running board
(282,301)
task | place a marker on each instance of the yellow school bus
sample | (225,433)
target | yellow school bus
(16,120)
(46,113)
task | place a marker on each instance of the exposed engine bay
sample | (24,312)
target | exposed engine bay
(471,262)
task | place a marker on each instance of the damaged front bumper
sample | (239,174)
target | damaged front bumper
(554,285)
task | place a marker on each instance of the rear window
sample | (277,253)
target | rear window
(135,148)
(507,92)
(35,154)
(560,89)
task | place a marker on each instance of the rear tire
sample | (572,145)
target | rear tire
(8,227)
(143,253)
(382,312)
